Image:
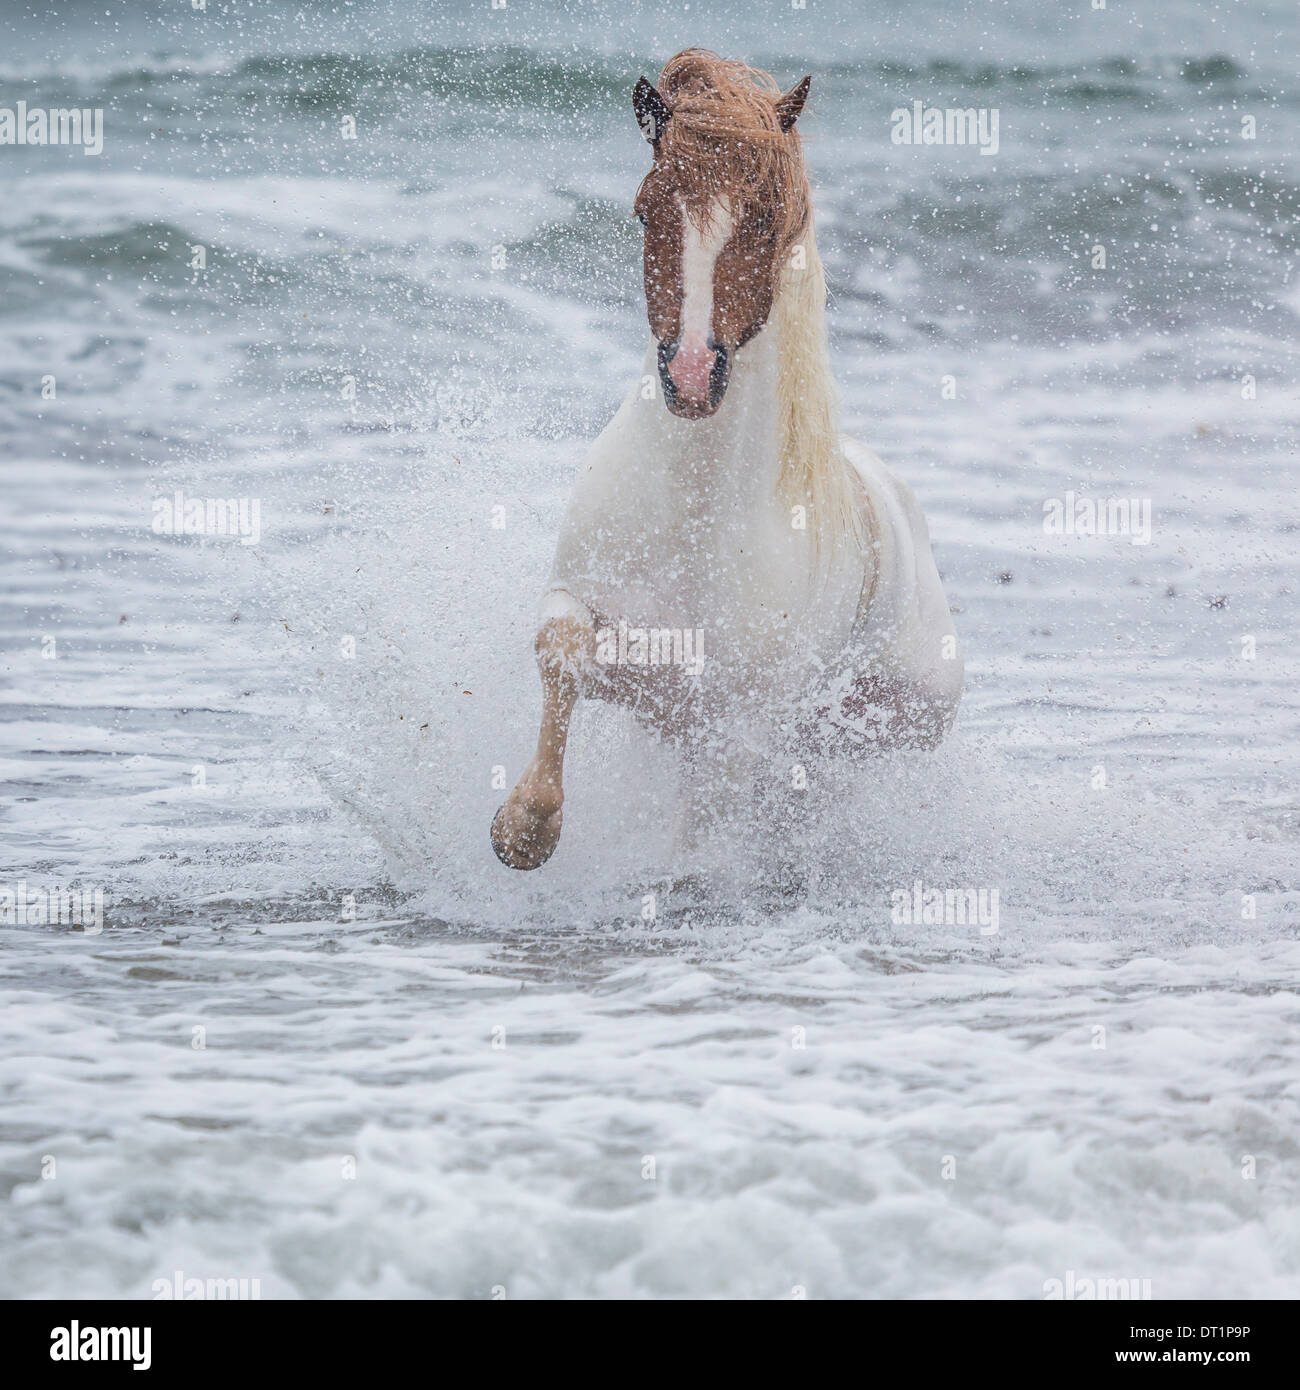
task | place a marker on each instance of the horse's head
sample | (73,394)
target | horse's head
(725,200)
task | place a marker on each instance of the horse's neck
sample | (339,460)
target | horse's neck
(730,461)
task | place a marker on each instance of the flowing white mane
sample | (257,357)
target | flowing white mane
(813,470)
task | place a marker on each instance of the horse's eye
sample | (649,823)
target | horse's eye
(642,219)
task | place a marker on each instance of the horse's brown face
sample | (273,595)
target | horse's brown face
(710,263)
(709,280)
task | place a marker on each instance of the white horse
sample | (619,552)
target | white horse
(745,579)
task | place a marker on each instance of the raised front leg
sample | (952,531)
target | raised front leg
(526,829)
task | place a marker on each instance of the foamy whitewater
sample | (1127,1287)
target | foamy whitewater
(324,1041)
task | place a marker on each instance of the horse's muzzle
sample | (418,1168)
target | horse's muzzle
(687,406)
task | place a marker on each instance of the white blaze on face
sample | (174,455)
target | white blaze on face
(693,361)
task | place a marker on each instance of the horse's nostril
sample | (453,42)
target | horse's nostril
(719,373)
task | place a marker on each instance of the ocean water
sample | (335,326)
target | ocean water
(323,1039)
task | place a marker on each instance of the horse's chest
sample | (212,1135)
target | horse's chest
(744,577)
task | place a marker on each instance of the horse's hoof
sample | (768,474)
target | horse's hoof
(533,840)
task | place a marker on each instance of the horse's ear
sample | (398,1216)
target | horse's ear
(789,106)
(651,109)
